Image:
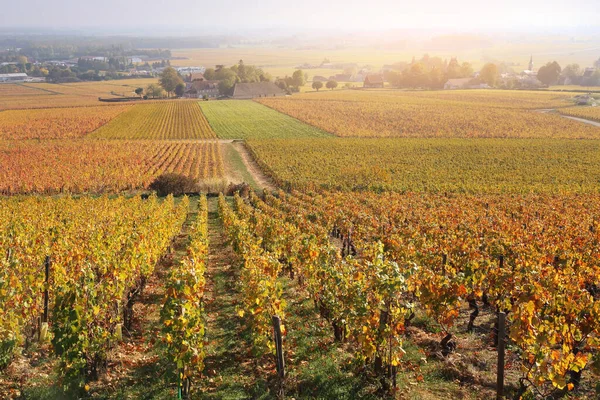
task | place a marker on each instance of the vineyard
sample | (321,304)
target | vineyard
(374,262)
(49,95)
(55,123)
(90,259)
(380,244)
(432,165)
(79,166)
(591,113)
(424,115)
(246,119)
(160,120)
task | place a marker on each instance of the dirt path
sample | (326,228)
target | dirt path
(263,180)
(240,167)
(231,370)
(585,121)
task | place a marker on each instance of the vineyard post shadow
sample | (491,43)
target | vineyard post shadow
(279,354)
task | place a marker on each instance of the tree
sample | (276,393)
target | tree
(549,73)
(298,78)
(180,89)
(453,70)
(169,79)
(139,91)
(317,85)
(331,84)
(153,90)
(572,74)
(597,63)
(209,74)
(489,74)
(416,76)
(466,70)
(21,60)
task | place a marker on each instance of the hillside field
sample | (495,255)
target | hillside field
(450,114)
(245,119)
(159,120)
(383,237)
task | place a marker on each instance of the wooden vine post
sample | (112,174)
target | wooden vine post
(501,348)
(279,354)
(43,324)
(46,286)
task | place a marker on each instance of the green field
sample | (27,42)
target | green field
(434,165)
(241,119)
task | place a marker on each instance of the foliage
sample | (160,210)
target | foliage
(159,120)
(180,89)
(432,165)
(317,85)
(441,250)
(489,74)
(548,74)
(182,315)
(154,91)
(175,184)
(55,123)
(169,80)
(100,249)
(591,113)
(81,166)
(331,84)
(497,114)
(261,292)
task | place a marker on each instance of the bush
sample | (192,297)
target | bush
(243,189)
(174,184)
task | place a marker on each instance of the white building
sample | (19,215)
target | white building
(18,77)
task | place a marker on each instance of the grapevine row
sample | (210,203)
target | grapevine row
(182,315)
(101,250)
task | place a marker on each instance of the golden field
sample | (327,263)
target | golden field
(421,114)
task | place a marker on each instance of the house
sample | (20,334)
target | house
(198,89)
(589,71)
(459,83)
(17,77)
(319,78)
(373,81)
(257,89)
(195,76)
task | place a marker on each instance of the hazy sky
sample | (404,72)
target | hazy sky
(232,15)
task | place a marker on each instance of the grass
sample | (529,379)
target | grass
(234,163)
(433,165)
(245,119)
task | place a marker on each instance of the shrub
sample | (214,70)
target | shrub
(243,189)
(175,184)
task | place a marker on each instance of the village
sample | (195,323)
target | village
(247,81)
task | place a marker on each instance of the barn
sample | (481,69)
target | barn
(373,81)
(257,89)
(18,77)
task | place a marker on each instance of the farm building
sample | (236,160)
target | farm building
(319,78)
(18,77)
(373,81)
(465,83)
(258,89)
(195,76)
(200,88)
